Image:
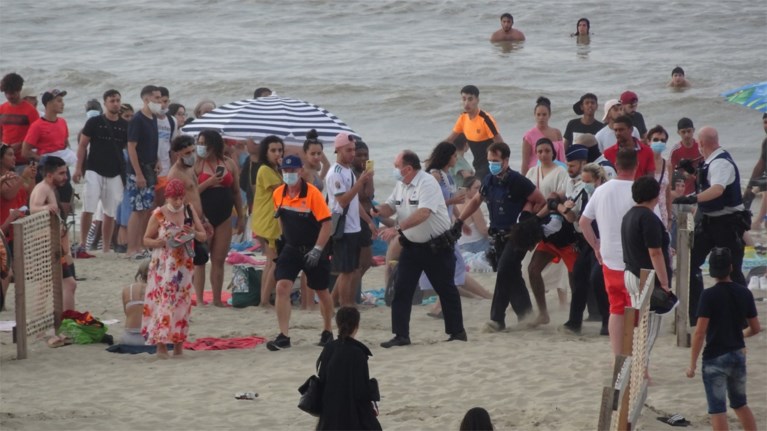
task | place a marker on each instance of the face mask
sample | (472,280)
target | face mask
(173,209)
(397,175)
(155,107)
(163,111)
(658,147)
(188,160)
(290,178)
(495,167)
(589,188)
(92,113)
(202,151)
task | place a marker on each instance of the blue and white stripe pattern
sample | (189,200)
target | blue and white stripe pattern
(287,118)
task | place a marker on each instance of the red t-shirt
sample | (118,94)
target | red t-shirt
(47,136)
(679,152)
(14,122)
(645,158)
(13,204)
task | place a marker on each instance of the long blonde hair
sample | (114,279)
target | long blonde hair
(596,171)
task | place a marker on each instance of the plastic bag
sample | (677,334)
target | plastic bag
(83,334)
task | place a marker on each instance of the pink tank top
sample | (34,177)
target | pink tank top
(532,136)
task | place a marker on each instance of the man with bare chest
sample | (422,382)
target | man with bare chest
(43,198)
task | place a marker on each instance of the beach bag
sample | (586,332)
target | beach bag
(246,286)
(83,334)
(311,396)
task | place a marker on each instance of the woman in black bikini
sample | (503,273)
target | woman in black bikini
(218,179)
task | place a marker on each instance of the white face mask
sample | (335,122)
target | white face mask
(155,107)
(173,209)
(202,151)
(290,178)
(163,111)
(188,160)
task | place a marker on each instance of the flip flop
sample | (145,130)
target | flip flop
(246,396)
(675,420)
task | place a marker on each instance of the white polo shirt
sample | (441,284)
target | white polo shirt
(609,203)
(340,180)
(422,192)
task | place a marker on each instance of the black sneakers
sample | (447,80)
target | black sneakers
(396,341)
(325,338)
(570,328)
(460,336)
(279,343)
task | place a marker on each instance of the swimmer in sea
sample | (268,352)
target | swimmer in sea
(506,33)
(582,28)
(677,78)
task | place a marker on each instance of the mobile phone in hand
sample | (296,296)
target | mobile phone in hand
(369,165)
(220,171)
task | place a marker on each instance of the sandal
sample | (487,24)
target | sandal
(676,420)
(59,341)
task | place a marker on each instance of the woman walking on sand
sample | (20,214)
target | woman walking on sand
(168,298)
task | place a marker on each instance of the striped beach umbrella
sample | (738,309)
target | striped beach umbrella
(287,118)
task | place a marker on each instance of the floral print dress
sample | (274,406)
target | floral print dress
(168,299)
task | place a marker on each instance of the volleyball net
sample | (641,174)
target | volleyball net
(37,277)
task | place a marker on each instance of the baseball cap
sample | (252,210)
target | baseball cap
(684,123)
(342,140)
(52,94)
(629,97)
(609,105)
(291,162)
(578,106)
(720,262)
(577,152)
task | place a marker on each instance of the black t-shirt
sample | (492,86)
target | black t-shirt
(576,126)
(506,197)
(638,121)
(143,131)
(107,142)
(727,305)
(641,229)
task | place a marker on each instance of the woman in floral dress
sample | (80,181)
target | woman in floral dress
(168,301)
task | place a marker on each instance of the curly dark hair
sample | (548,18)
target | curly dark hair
(263,149)
(526,233)
(440,156)
(214,142)
(11,83)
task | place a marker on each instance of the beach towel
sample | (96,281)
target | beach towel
(209,343)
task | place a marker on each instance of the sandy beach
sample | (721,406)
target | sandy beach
(526,379)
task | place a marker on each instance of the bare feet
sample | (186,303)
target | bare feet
(218,304)
(162,351)
(178,350)
(542,319)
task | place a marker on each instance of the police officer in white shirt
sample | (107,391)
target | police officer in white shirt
(427,246)
(724,218)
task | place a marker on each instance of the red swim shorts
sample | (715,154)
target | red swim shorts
(617,293)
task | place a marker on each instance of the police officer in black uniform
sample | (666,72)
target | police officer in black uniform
(508,194)
(723,220)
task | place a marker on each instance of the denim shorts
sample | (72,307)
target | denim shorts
(725,375)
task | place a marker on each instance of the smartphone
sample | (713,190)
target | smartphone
(32,163)
(23,209)
(220,171)
(369,165)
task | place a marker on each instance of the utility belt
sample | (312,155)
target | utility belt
(498,238)
(445,241)
(741,220)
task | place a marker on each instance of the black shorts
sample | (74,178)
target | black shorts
(200,253)
(67,270)
(346,253)
(366,235)
(291,261)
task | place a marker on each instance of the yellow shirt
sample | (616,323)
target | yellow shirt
(262,219)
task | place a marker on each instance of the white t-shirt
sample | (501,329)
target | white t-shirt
(609,203)
(340,180)
(720,171)
(164,135)
(422,192)
(606,137)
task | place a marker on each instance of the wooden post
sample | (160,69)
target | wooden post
(56,255)
(629,321)
(684,235)
(20,331)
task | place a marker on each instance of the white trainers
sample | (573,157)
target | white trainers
(754,283)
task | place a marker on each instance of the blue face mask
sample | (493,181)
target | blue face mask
(658,146)
(397,175)
(202,151)
(495,167)
(290,178)
(589,188)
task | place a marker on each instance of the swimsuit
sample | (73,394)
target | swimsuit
(217,201)
(132,336)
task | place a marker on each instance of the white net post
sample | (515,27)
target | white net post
(37,277)
(684,237)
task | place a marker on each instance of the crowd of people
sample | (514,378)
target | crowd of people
(587,210)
